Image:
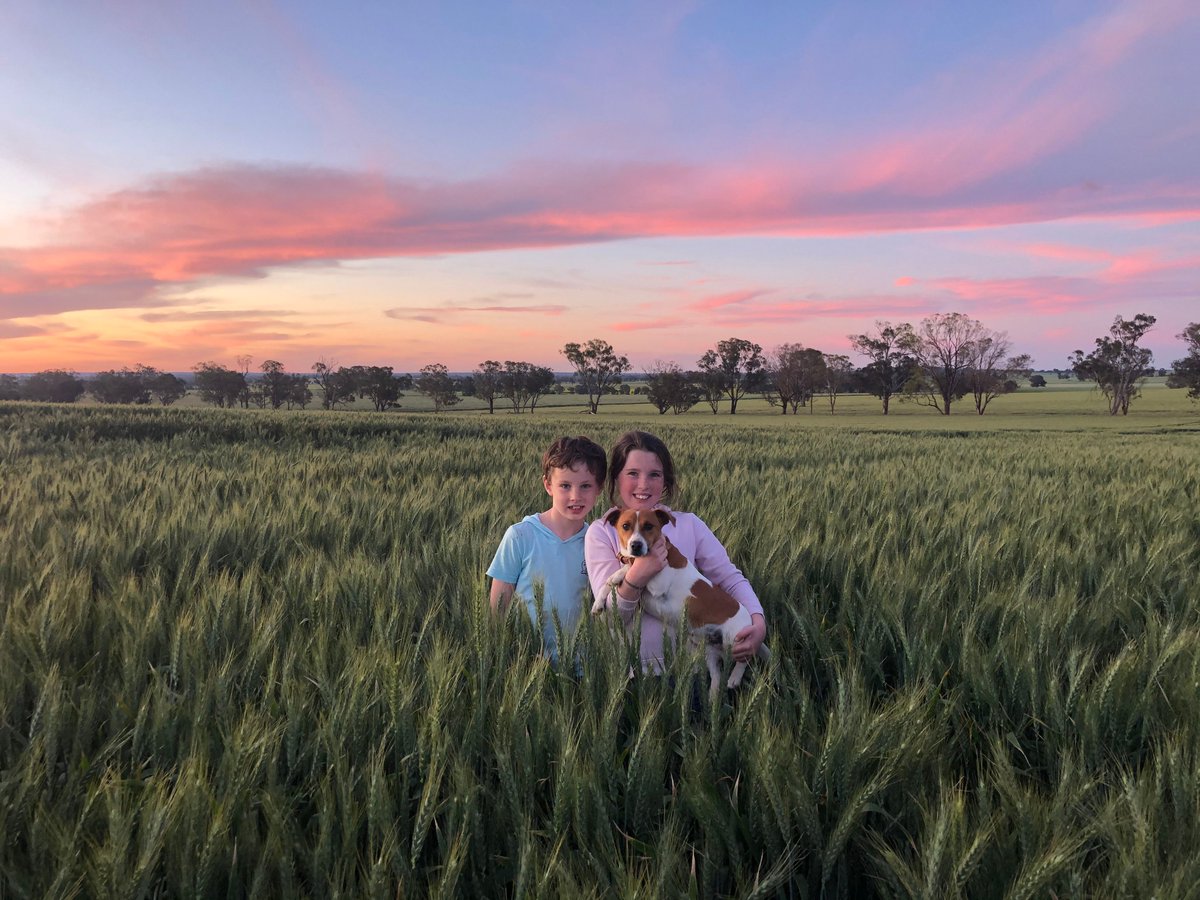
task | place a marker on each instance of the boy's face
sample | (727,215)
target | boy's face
(573,491)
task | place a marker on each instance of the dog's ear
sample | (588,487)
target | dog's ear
(664,517)
(612,517)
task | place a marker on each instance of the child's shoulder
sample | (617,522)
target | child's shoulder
(525,528)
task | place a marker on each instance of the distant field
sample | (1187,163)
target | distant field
(245,653)
(1065,405)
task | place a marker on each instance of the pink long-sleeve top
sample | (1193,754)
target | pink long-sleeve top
(694,540)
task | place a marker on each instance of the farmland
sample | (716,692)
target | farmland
(246,653)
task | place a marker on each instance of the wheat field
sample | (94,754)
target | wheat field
(247,654)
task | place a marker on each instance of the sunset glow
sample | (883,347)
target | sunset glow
(412,184)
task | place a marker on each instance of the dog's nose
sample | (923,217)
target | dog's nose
(637,548)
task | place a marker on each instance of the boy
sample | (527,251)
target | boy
(546,549)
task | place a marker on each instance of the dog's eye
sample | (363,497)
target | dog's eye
(626,526)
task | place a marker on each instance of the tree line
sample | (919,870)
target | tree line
(941,361)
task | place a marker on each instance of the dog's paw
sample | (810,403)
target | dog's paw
(598,607)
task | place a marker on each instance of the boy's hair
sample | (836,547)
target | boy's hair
(568,451)
(640,440)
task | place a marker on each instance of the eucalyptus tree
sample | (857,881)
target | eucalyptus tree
(53,386)
(737,365)
(838,370)
(1117,365)
(993,370)
(891,362)
(784,380)
(944,347)
(598,368)
(669,387)
(436,384)
(487,380)
(218,385)
(1186,372)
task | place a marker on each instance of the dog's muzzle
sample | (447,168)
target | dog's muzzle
(637,548)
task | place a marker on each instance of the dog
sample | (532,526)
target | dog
(713,617)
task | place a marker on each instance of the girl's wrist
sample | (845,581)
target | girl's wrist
(632,586)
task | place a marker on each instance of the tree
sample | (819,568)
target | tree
(812,376)
(523,384)
(1186,372)
(669,387)
(943,346)
(379,384)
(166,387)
(53,386)
(597,368)
(487,382)
(740,364)
(275,386)
(10,387)
(1117,365)
(436,384)
(298,391)
(784,377)
(244,362)
(838,369)
(122,386)
(337,385)
(710,383)
(539,383)
(891,364)
(992,371)
(1037,381)
(220,386)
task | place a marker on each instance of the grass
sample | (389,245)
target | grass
(247,654)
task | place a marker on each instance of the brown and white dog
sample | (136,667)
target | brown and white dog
(714,618)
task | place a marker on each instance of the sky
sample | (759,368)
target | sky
(392,183)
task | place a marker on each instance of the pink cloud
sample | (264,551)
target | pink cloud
(448,312)
(731,298)
(242,221)
(1067,252)
(649,324)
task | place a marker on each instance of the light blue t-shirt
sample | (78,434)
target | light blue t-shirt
(531,556)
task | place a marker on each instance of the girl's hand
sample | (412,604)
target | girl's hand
(646,567)
(748,640)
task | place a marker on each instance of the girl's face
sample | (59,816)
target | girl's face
(640,483)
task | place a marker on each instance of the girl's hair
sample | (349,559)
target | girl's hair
(639,440)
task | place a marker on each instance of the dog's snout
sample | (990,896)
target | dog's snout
(637,548)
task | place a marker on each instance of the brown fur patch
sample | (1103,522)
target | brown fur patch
(675,559)
(709,605)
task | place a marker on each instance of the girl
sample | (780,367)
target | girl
(640,476)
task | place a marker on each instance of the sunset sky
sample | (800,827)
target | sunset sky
(397,183)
